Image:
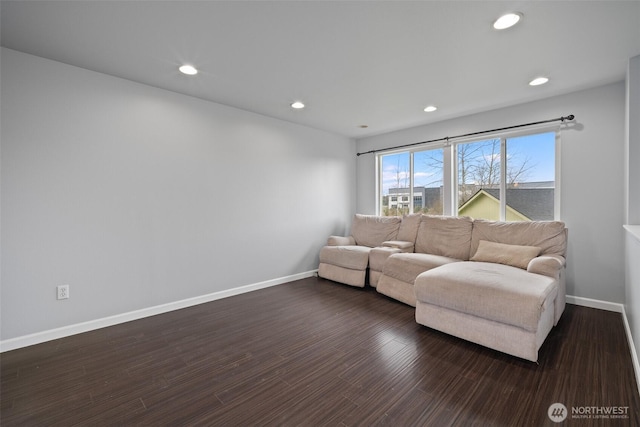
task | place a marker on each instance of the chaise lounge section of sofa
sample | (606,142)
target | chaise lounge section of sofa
(508,296)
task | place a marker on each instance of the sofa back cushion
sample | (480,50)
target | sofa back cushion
(409,227)
(445,235)
(372,230)
(549,236)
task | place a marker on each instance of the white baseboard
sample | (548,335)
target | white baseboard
(594,303)
(65,331)
(632,347)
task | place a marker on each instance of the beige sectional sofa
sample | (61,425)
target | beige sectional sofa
(498,284)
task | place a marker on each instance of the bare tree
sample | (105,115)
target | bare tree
(486,172)
(469,165)
(402,175)
(518,169)
(479,167)
(402,179)
(484,169)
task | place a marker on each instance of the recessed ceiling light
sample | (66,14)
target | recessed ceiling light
(189,70)
(430,108)
(538,81)
(297,105)
(507,21)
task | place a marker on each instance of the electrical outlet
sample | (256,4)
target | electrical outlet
(63,291)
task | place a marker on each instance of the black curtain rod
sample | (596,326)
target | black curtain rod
(447,138)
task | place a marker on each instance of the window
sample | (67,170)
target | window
(394,182)
(479,179)
(510,178)
(530,181)
(427,180)
(417,202)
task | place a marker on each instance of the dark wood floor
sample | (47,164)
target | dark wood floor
(313,352)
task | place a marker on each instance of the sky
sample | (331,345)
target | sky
(537,149)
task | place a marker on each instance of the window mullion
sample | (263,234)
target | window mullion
(503,179)
(450,181)
(411,182)
(557,180)
(378,189)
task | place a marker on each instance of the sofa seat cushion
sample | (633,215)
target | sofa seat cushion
(352,257)
(496,292)
(407,266)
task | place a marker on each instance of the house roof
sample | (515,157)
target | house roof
(533,203)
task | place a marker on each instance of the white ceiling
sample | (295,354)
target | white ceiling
(353,63)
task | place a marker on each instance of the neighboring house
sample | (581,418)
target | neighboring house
(428,197)
(529,201)
(524,203)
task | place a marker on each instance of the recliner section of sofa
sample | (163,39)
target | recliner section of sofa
(346,259)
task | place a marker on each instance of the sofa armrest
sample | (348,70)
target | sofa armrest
(341,241)
(399,244)
(547,265)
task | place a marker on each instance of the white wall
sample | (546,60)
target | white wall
(632,154)
(632,187)
(591,178)
(138,197)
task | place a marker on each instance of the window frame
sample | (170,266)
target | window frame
(450,168)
